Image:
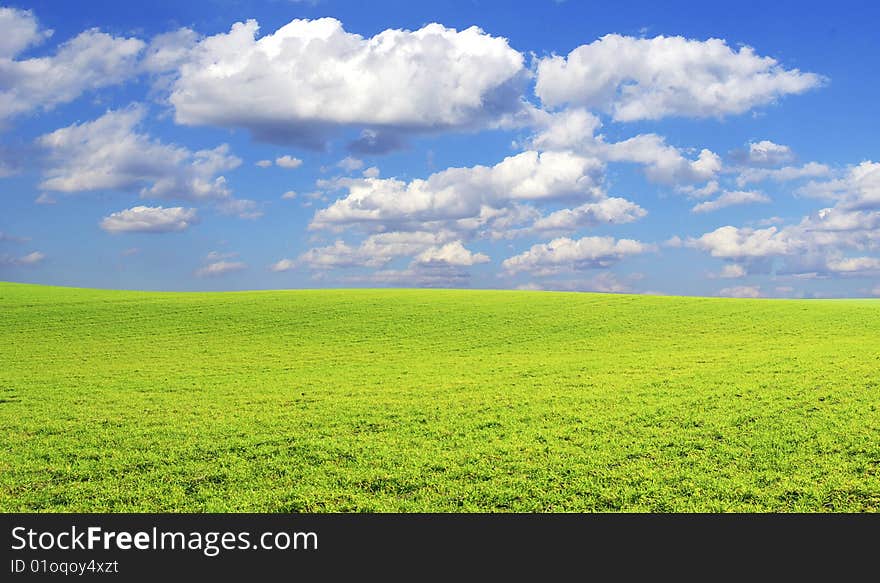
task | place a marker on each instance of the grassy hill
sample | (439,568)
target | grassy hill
(439,400)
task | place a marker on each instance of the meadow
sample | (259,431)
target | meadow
(435,400)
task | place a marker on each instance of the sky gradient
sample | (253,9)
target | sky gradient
(676,149)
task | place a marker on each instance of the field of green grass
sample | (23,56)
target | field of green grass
(435,400)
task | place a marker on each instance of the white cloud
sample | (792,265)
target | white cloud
(785,174)
(637,79)
(814,247)
(45,198)
(167,51)
(288,162)
(289,195)
(703,192)
(564,254)
(283,265)
(378,250)
(463,193)
(730,198)
(339,254)
(263,163)
(664,163)
(859,189)
(109,154)
(452,254)
(741,291)
(89,61)
(840,219)
(732,271)
(350,164)
(673,242)
(738,243)
(144,219)
(567,129)
(29,259)
(219,255)
(606,211)
(20,31)
(767,153)
(220,268)
(854,265)
(371,172)
(290,86)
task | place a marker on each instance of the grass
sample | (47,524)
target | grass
(440,400)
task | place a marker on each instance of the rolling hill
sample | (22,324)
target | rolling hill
(435,400)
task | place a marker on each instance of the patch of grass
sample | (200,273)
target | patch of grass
(410,400)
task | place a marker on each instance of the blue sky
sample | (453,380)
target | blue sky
(676,148)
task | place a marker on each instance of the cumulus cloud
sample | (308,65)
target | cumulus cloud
(730,198)
(288,162)
(283,265)
(673,242)
(607,211)
(859,189)
(451,254)
(705,191)
(740,243)
(263,163)
(437,259)
(572,128)
(564,254)
(110,154)
(732,271)
(465,193)
(20,31)
(289,195)
(30,259)
(144,219)
(339,254)
(785,174)
(854,265)
(350,164)
(168,51)
(664,163)
(218,268)
(766,153)
(87,62)
(639,79)
(380,249)
(817,246)
(292,85)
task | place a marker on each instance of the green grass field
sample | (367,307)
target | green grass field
(410,400)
